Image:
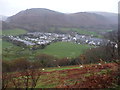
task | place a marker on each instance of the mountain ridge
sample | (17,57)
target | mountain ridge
(39,19)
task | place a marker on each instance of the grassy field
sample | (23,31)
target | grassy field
(6,44)
(61,68)
(14,32)
(58,49)
(9,50)
(86,32)
(80,31)
(64,49)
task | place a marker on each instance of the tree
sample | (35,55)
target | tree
(43,46)
(95,54)
(82,58)
(21,64)
(29,78)
(45,60)
(113,36)
(6,66)
(5,80)
(22,79)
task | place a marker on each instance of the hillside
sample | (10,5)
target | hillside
(86,76)
(58,50)
(113,17)
(13,32)
(6,25)
(65,49)
(40,19)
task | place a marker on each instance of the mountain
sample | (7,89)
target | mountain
(37,19)
(40,19)
(7,26)
(113,17)
(86,19)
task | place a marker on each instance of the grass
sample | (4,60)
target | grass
(70,67)
(69,75)
(14,32)
(6,44)
(58,49)
(57,78)
(61,68)
(64,49)
(109,30)
(9,50)
(86,32)
(81,31)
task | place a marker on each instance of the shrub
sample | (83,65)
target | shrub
(6,66)
(46,60)
(20,64)
(100,53)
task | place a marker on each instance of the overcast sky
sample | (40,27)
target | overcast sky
(11,7)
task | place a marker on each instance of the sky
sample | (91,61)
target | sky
(11,7)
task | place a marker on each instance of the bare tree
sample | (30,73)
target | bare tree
(5,81)
(30,77)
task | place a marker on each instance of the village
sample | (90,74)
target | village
(42,39)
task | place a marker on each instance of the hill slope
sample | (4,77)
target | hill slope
(88,76)
(65,49)
(113,17)
(41,19)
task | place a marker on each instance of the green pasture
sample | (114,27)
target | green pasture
(58,49)
(14,32)
(64,49)
(78,30)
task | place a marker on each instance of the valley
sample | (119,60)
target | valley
(51,46)
(24,44)
(42,48)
